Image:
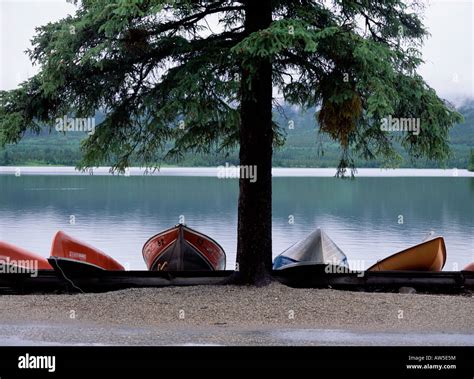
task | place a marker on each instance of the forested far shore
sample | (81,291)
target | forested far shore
(304,147)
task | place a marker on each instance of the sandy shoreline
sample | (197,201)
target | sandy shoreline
(230,315)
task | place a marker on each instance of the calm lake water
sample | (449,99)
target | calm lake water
(118,214)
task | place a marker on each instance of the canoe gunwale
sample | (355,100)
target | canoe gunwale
(345,269)
(60,259)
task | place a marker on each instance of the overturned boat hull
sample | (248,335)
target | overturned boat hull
(314,250)
(426,256)
(20,259)
(183,249)
(71,255)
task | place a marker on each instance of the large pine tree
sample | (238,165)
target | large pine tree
(201,74)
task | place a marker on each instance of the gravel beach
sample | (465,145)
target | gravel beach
(231,315)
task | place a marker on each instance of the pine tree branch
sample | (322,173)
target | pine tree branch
(193,19)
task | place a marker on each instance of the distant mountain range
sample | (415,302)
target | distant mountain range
(304,147)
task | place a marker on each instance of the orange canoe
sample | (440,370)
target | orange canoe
(469,267)
(74,255)
(183,249)
(426,256)
(11,255)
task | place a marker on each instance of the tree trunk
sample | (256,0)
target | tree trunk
(254,244)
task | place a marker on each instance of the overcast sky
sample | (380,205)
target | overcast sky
(448,53)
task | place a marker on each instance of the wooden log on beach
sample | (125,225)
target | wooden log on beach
(109,280)
(388,281)
(48,281)
(24,283)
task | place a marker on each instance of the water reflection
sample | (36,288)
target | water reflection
(118,214)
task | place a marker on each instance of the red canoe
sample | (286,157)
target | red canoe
(15,256)
(183,249)
(76,256)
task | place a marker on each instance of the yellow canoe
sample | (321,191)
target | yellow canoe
(426,256)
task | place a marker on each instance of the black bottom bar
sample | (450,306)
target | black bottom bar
(442,362)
